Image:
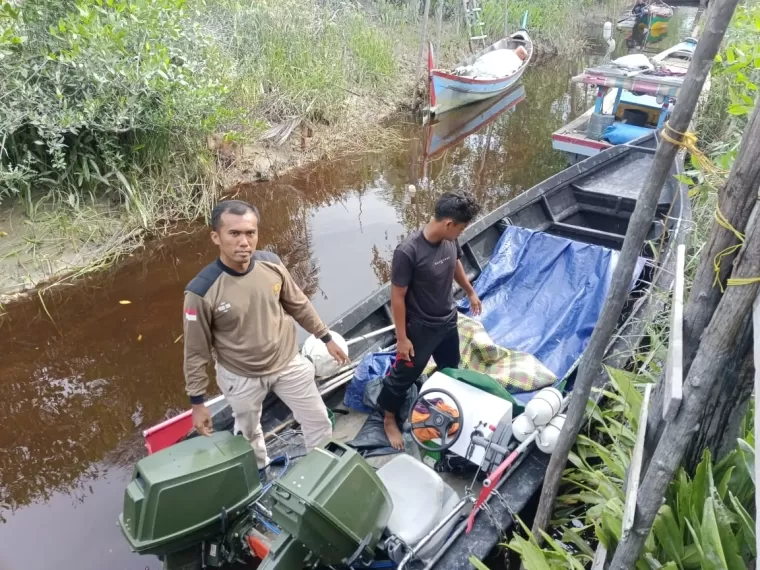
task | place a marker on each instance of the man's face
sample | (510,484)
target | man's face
(452,229)
(237,236)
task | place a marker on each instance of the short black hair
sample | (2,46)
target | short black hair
(460,206)
(236,207)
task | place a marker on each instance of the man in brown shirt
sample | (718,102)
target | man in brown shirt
(243,306)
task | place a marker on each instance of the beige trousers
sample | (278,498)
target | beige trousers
(294,385)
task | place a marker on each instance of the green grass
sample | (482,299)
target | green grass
(105,105)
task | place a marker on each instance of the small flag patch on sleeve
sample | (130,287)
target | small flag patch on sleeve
(191,314)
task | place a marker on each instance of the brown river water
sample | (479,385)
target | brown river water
(82,374)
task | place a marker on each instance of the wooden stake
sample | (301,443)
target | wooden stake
(756,342)
(634,470)
(438,25)
(709,365)
(506,18)
(423,40)
(638,227)
(735,199)
(674,367)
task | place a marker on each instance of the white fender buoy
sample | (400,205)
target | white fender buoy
(547,439)
(522,427)
(607,33)
(544,406)
(316,351)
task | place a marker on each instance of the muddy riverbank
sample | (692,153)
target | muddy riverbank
(84,374)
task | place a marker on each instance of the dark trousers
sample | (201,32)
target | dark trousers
(441,342)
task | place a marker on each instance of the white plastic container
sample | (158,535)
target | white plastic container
(522,427)
(544,406)
(547,439)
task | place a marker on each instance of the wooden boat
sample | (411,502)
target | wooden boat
(657,15)
(627,94)
(585,206)
(449,129)
(450,89)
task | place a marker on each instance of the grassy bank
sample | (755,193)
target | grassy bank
(119,118)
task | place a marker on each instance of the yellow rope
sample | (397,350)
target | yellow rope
(689,142)
(730,250)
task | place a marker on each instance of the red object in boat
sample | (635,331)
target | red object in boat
(173,430)
(169,432)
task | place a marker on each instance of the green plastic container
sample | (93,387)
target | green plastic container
(176,496)
(330,502)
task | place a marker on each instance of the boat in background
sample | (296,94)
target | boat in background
(471,80)
(449,129)
(656,16)
(632,90)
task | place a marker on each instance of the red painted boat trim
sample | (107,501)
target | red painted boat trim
(169,432)
(599,145)
(461,79)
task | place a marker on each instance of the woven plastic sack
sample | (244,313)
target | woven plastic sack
(373,365)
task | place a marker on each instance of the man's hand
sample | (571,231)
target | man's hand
(475,305)
(404,349)
(202,419)
(337,353)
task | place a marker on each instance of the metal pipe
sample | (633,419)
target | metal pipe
(428,537)
(463,525)
(370,335)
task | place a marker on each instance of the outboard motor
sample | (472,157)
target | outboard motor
(332,509)
(186,501)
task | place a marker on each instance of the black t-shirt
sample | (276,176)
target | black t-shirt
(428,270)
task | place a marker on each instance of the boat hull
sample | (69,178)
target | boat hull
(453,92)
(572,138)
(449,91)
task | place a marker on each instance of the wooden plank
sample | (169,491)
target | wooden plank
(634,470)
(600,558)
(674,366)
(756,354)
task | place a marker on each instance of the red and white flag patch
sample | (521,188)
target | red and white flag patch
(191,314)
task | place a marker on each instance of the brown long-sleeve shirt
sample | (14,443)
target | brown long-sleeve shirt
(246,318)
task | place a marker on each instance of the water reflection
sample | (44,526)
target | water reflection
(84,374)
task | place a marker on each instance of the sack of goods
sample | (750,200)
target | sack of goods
(316,351)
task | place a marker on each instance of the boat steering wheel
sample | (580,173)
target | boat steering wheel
(438,420)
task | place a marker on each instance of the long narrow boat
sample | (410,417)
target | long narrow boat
(200,499)
(627,94)
(485,74)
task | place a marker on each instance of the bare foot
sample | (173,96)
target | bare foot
(392,431)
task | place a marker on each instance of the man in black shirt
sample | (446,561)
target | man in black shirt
(425,265)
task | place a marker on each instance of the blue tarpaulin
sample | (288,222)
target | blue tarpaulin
(543,294)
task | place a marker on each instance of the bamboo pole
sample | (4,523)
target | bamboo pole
(421,52)
(506,18)
(438,24)
(638,227)
(712,358)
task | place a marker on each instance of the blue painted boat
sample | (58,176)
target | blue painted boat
(450,89)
